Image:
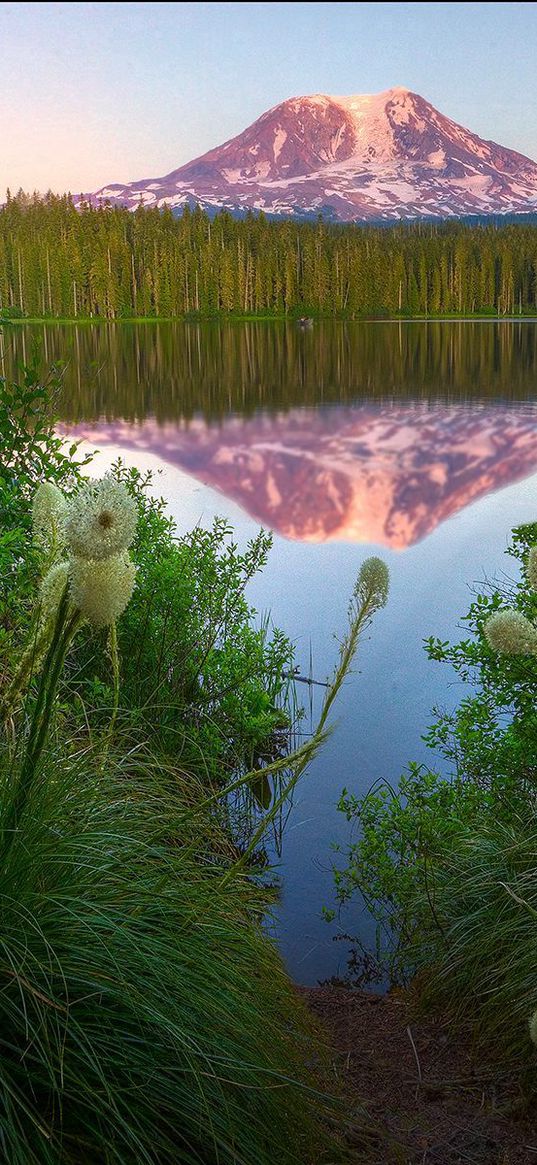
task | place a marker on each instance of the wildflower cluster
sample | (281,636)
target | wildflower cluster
(52,589)
(102,588)
(96,527)
(100,520)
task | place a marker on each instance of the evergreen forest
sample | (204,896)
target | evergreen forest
(57,261)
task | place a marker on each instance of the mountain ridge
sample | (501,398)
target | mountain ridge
(366,157)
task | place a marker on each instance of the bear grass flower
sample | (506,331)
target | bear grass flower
(511,633)
(101,588)
(52,588)
(374,580)
(100,520)
(94,585)
(48,513)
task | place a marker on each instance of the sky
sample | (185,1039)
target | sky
(93,93)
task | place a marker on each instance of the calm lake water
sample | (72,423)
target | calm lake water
(417,442)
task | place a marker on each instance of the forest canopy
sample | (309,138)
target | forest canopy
(60,261)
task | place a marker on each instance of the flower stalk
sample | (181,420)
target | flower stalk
(94,584)
(370,594)
(65,626)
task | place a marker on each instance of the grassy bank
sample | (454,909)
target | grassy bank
(145,760)
(264,317)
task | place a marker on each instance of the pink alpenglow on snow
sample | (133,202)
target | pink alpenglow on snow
(361,473)
(381,156)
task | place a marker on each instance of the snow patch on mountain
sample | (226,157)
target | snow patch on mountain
(280,138)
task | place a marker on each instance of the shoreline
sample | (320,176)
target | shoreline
(224,318)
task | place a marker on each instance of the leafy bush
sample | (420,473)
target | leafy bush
(404,834)
(199,679)
(493,733)
(31,452)
(446,863)
(11,313)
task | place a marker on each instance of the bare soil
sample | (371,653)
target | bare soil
(429,1100)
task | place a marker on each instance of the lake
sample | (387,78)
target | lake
(413,441)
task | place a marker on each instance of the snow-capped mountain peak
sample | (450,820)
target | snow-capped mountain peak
(377,156)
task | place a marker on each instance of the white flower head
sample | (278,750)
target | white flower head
(52,588)
(101,519)
(511,633)
(101,588)
(48,513)
(532,568)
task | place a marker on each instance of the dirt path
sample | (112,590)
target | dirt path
(418,1082)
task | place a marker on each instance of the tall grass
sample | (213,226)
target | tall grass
(144,1016)
(480,956)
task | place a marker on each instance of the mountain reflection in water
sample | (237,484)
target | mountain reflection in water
(366,432)
(387,475)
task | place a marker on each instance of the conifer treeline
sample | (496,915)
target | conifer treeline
(112,263)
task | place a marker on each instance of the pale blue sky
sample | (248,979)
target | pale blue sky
(96,93)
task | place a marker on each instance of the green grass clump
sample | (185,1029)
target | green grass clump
(144,1014)
(485,958)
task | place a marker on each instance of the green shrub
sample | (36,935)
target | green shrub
(31,452)
(418,844)
(403,834)
(11,313)
(493,733)
(199,679)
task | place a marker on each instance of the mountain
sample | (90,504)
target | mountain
(379,474)
(376,157)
